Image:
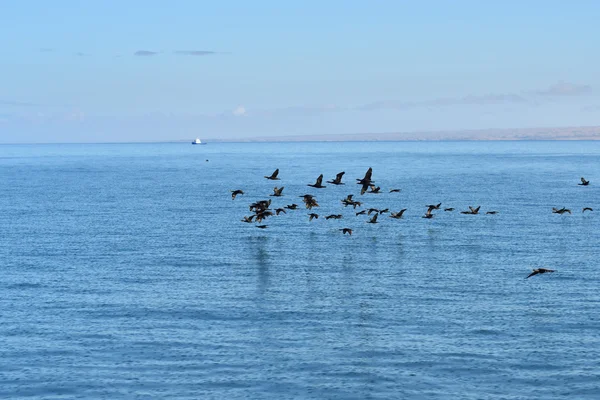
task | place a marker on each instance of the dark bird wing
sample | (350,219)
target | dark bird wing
(535,272)
(338,177)
(319,180)
(364,188)
(275,173)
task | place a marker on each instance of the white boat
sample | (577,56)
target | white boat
(197,141)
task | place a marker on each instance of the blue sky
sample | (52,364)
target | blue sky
(81,71)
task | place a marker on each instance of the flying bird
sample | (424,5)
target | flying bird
(248,219)
(273,176)
(586,209)
(471,211)
(373,220)
(539,271)
(277,191)
(433,206)
(395,191)
(313,215)
(583,182)
(374,189)
(234,193)
(361,212)
(260,205)
(291,206)
(491,212)
(262,215)
(398,215)
(449,209)
(279,211)
(560,211)
(346,230)
(428,214)
(261,226)
(366,181)
(317,184)
(338,179)
(334,216)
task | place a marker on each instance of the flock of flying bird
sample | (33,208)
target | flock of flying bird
(262,208)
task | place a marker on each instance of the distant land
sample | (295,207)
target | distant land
(561,133)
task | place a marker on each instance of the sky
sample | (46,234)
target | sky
(114,71)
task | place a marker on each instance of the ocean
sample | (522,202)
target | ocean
(125,272)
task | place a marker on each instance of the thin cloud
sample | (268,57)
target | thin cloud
(145,53)
(304,111)
(18,103)
(490,99)
(240,111)
(195,52)
(591,108)
(566,89)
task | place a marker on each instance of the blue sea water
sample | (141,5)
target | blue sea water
(125,272)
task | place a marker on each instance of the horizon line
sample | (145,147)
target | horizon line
(557,133)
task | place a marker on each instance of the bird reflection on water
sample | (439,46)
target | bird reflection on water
(261,258)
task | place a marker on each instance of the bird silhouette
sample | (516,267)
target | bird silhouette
(491,212)
(449,209)
(374,189)
(560,211)
(539,271)
(361,212)
(373,210)
(366,181)
(395,190)
(279,211)
(277,191)
(273,176)
(234,193)
(259,216)
(260,205)
(356,204)
(398,215)
(586,209)
(334,216)
(433,206)
(313,215)
(248,219)
(384,211)
(583,182)
(428,213)
(471,210)
(338,179)
(309,201)
(346,230)
(348,201)
(373,219)
(262,226)
(317,184)
(291,206)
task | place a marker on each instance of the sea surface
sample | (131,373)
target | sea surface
(125,272)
